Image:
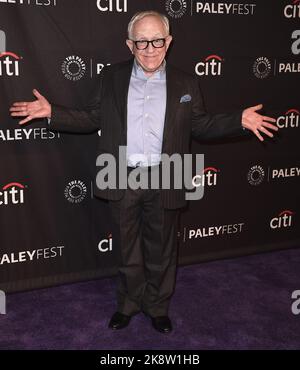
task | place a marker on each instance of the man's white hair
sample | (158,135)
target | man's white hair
(140,15)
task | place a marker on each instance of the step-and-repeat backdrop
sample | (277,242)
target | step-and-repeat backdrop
(244,53)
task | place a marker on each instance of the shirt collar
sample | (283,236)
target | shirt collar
(159,74)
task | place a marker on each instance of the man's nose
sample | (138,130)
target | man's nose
(150,48)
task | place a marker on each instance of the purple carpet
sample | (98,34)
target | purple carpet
(242,303)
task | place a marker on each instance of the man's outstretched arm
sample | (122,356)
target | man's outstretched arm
(207,126)
(61,118)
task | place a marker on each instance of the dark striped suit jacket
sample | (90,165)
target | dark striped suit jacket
(108,110)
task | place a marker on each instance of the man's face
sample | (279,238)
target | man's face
(149,28)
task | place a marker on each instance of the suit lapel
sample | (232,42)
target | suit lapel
(120,86)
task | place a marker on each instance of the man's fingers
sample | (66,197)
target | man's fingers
(257,107)
(265,131)
(19,114)
(22,108)
(25,120)
(258,135)
(269,119)
(269,125)
(20,104)
(37,94)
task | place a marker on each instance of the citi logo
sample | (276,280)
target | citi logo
(292,10)
(284,219)
(105,245)
(112,5)
(9,64)
(207,178)
(211,66)
(290,119)
(12,193)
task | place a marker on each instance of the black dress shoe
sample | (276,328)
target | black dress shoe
(119,321)
(162,324)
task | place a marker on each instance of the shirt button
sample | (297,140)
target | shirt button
(148,97)
(146,115)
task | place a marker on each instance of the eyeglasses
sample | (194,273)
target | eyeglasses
(143,44)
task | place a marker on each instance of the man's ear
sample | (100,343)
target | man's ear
(129,43)
(168,41)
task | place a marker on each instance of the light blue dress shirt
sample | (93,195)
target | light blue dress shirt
(146,108)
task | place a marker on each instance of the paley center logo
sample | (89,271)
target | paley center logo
(290,119)
(292,10)
(176,8)
(210,66)
(9,61)
(75,191)
(262,67)
(283,220)
(106,244)
(73,68)
(119,6)
(12,194)
(256,175)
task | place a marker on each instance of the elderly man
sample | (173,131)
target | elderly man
(151,108)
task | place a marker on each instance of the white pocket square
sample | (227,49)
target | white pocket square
(185,98)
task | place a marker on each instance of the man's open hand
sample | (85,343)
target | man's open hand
(258,123)
(39,108)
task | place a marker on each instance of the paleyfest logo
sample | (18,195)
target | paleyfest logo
(30,2)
